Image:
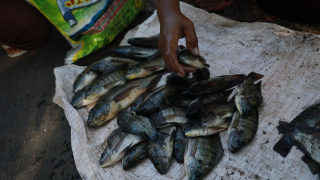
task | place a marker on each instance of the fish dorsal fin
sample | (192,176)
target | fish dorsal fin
(124,94)
(254,76)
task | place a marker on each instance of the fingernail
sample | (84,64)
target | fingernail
(196,51)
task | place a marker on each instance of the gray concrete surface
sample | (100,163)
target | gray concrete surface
(34,134)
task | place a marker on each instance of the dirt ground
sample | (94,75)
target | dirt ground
(34,133)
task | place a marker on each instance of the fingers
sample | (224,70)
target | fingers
(189,69)
(191,38)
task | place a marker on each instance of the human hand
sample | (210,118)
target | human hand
(175,25)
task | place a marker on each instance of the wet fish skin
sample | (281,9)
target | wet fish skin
(215,84)
(158,100)
(197,104)
(216,113)
(93,70)
(139,125)
(186,57)
(105,83)
(202,155)
(79,100)
(152,65)
(310,117)
(180,142)
(195,130)
(84,79)
(119,99)
(135,155)
(242,130)
(134,52)
(152,41)
(169,117)
(117,145)
(183,101)
(160,151)
(110,62)
(248,97)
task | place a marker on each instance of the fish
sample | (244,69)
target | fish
(187,58)
(110,62)
(216,113)
(182,101)
(160,152)
(134,52)
(157,100)
(242,130)
(105,83)
(117,145)
(175,79)
(119,99)
(194,129)
(197,104)
(306,139)
(139,125)
(214,84)
(169,117)
(180,142)
(79,99)
(152,41)
(248,97)
(202,155)
(135,155)
(92,71)
(310,117)
(154,64)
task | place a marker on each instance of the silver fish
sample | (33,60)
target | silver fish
(248,97)
(151,41)
(159,99)
(92,71)
(194,130)
(160,151)
(79,100)
(242,130)
(152,65)
(105,83)
(139,125)
(180,142)
(135,155)
(202,155)
(134,52)
(216,114)
(169,117)
(118,144)
(119,99)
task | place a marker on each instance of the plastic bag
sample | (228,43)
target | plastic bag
(89,25)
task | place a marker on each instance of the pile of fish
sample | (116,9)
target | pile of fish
(304,133)
(182,118)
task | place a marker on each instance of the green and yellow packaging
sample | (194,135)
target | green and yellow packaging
(89,25)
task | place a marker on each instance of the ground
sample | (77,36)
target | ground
(34,133)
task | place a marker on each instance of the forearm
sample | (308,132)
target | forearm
(166,8)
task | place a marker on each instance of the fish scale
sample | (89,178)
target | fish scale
(242,130)
(202,155)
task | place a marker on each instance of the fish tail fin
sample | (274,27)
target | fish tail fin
(283,146)
(285,128)
(202,73)
(254,76)
(313,166)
